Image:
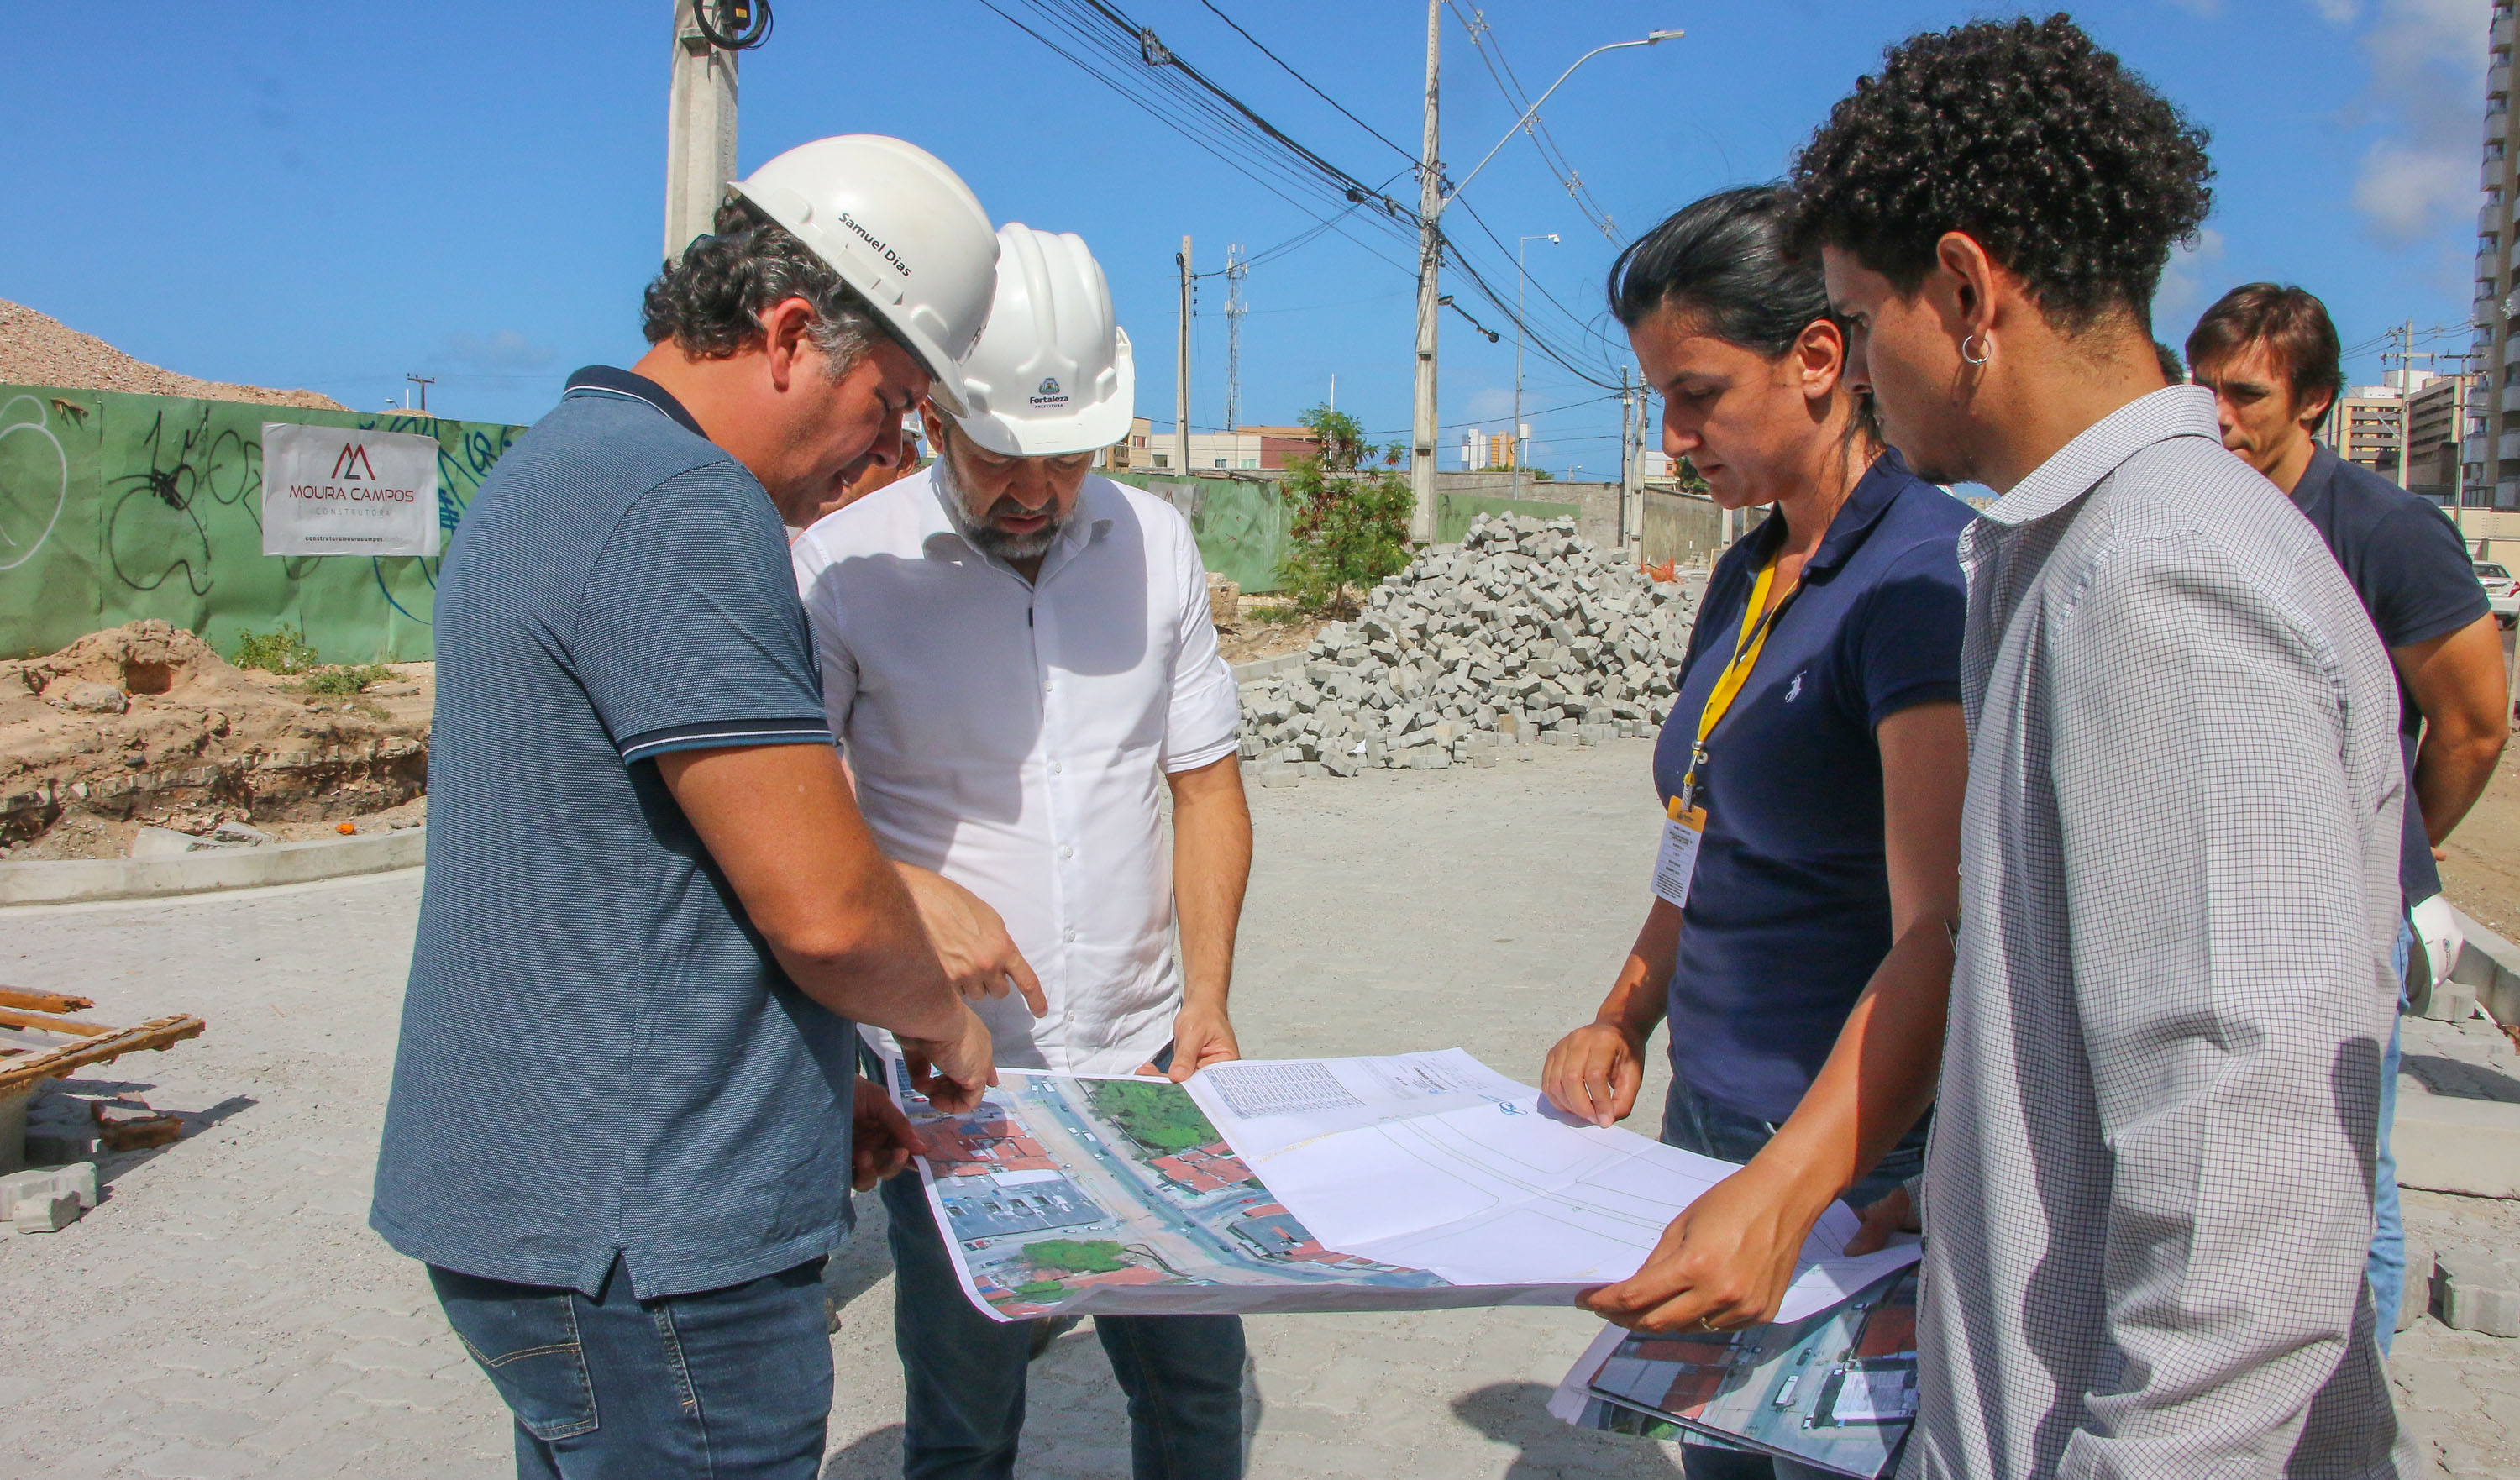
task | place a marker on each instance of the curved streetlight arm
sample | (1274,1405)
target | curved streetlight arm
(1650,39)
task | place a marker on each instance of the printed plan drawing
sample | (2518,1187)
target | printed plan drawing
(1836,1390)
(1065,1194)
(1436,1162)
(1411,1182)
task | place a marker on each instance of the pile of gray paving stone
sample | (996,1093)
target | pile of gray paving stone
(1523,634)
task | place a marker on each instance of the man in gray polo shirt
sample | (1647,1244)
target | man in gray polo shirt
(620,1133)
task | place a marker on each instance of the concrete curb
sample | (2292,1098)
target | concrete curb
(99,879)
(1258,668)
(2489,968)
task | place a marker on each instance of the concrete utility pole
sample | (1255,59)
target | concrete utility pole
(2458,448)
(1521,432)
(700,132)
(1181,368)
(2405,401)
(1430,261)
(1632,493)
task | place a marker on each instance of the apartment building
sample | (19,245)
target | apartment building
(2492,451)
(1244,449)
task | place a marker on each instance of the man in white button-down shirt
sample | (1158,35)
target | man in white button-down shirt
(1018,658)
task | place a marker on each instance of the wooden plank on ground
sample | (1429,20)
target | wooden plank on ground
(43,1001)
(22,1073)
(46,1023)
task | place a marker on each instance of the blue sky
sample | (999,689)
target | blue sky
(333,196)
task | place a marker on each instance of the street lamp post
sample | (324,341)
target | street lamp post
(1432,198)
(1550,237)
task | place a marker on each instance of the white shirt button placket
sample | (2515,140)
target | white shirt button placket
(1053,738)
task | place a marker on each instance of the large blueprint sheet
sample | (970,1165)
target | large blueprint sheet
(1411,1182)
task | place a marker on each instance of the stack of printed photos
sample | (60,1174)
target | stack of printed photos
(1836,1390)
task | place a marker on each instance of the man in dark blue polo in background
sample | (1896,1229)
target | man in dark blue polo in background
(620,1133)
(2269,355)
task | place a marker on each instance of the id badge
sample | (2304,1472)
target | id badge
(1683,832)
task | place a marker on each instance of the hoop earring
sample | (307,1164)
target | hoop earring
(1979,358)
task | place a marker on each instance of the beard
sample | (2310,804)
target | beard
(984,533)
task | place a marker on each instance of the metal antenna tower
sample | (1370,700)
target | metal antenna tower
(1235,270)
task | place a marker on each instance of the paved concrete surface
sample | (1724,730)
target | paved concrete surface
(226,1312)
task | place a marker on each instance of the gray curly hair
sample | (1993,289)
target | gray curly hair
(710,300)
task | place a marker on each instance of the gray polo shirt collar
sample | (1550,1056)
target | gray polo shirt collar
(2176,410)
(603,380)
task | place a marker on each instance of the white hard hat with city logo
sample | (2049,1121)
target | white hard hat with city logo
(1053,373)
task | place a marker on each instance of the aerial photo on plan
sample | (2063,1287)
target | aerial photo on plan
(1837,1390)
(1067,1192)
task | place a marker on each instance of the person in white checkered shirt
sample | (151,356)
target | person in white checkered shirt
(2148,1190)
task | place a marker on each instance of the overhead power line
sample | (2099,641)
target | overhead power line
(1483,40)
(1291,72)
(1104,42)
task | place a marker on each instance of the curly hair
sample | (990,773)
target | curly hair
(711,300)
(2069,169)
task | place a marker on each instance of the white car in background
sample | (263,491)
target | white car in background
(2500,590)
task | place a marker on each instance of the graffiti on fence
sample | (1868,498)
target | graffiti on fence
(115,507)
(29,510)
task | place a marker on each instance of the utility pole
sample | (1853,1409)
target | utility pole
(1181,368)
(1631,497)
(2458,448)
(2406,400)
(699,131)
(424,383)
(1521,434)
(1234,309)
(1430,259)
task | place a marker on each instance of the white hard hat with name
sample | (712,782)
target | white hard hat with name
(899,226)
(1053,373)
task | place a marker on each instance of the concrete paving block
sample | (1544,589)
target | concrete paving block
(36,1215)
(2446,1145)
(56,1146)
(2473,1292)
(30,1194)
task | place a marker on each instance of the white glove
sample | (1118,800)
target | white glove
(2437,929)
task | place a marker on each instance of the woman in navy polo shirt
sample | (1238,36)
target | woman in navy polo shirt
(1813,759)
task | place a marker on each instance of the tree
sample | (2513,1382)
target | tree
(1351,525)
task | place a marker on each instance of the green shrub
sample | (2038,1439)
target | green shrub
(1351,525)
(284,651)
(341,681)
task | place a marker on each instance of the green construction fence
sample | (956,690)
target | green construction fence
(116,507)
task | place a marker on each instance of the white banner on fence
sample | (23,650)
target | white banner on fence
(339,490)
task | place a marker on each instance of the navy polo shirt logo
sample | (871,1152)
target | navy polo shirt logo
(1794,690)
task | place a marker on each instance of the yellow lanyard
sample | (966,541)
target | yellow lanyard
(1758,618)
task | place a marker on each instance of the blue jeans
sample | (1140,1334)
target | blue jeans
(966,1372)
(1694,1123)
(730,1384)
(2385,1267)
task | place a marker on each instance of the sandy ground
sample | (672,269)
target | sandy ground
(2482,873)
(227,1314)
(194,748)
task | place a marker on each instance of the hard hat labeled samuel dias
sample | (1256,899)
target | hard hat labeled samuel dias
(899,226)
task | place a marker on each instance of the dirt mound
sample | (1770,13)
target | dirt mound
(144,724)
(37,349)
